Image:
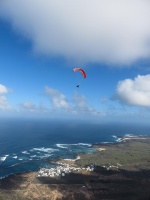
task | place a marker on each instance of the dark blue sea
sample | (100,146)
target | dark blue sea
(27,145)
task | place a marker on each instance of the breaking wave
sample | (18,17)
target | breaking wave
(63,146)
(66,146)
(25,152)
(117,139)
(43,149)
(3,158)
(15,157)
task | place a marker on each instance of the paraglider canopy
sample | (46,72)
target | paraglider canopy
(81,71)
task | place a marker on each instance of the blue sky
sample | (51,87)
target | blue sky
(41,43)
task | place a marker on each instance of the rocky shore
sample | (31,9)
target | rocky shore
(122,171)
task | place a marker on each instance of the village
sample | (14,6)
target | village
(61,170)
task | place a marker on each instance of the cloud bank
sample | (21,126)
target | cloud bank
(33,108)
(77,105)
(111,31)
(135,92)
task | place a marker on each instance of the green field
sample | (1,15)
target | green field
(130,155)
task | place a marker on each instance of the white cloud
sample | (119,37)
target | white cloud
(3,102)
(31,107)
(135,92)
(3,89)
(81,105)
(78,104)
(4,105)
(103,100)
(114,31)
(57,99)
(79,100)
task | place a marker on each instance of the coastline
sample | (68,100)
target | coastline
(118,167)
(102,147)
(105,149)
(130,153)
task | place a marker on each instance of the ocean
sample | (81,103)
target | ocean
(27,145)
